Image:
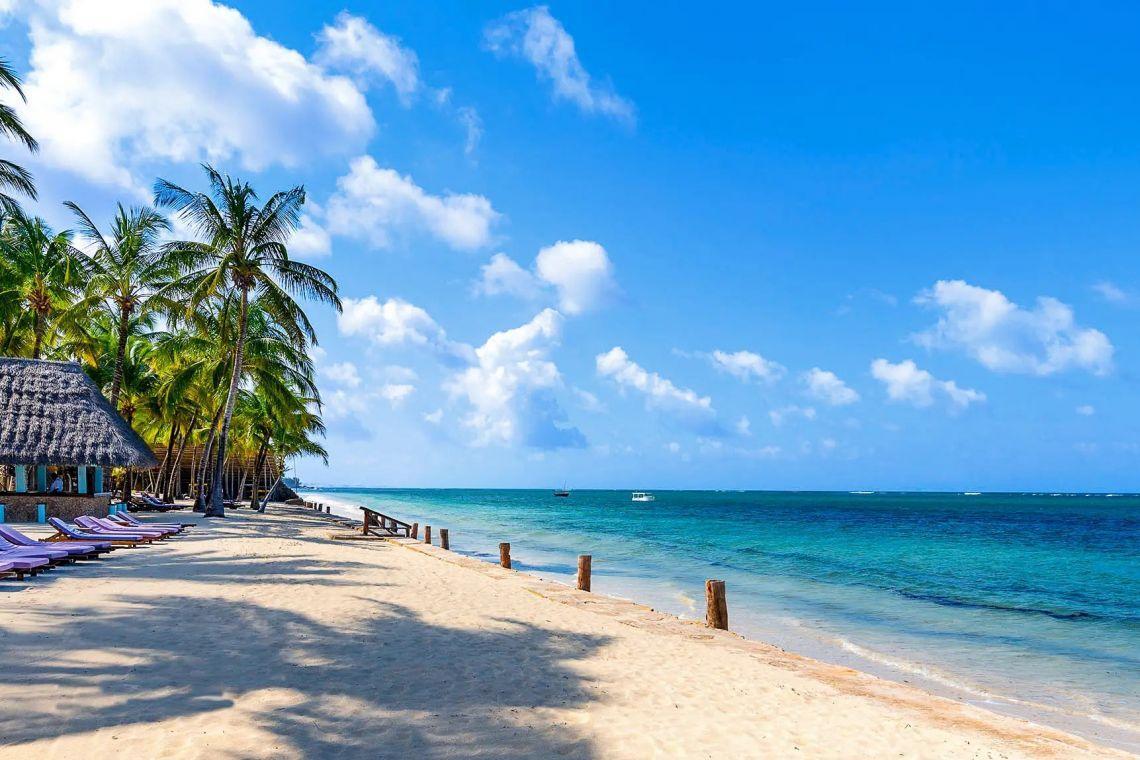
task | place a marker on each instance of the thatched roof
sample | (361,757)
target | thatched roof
(52,413)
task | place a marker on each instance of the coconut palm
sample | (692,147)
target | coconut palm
(242,251)
(128,268)
(14,177)
(40,273)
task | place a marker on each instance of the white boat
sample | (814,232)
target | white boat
(642,496)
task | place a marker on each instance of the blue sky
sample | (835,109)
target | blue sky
(646,247)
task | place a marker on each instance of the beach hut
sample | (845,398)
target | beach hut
(53,417)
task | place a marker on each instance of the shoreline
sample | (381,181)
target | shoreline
(260,635)
(837,652)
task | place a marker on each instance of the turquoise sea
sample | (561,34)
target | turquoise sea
(1026,603)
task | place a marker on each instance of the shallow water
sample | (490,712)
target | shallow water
(1027,603)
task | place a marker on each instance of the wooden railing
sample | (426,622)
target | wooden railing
(380,524)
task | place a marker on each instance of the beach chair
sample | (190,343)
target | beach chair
(130,521)
(55,556)
(82,551)
(22,565)
(99,525)
(65,532)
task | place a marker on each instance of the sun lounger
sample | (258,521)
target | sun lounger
(100,525)
(70,533)
(131,521)
(22,565)
(55,554)
(84,550)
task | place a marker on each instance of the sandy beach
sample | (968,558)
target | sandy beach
(260,636)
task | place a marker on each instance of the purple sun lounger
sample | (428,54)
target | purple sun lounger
(75,549)
(9,549)
(21,565)
(165,528)
(73,534)
(102,525)
(135,522)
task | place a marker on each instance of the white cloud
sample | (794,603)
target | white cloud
(510,388)
(746,365)
(1005,337)
(778,416)
(396,393)
(744,426)
(376,204)
(434,418)
(660,393)
(344,404)
(579,271)
(397,374)
(1110,292)
(342,373)
(905,382)
(396,322)
(114,86)
(473,125)
(827,387)
(356,46)
(502,276)
(673,447)
(309,240)
(588,401)
(1087,410)
(536,36)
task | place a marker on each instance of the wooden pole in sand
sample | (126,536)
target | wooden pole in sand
(505,555)
(716,605)
(415,530)
(427,534)
(584,562)
(444,541)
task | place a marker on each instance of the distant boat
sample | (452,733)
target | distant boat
(562,492)
(642,496)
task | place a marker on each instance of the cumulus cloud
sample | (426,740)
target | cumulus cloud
(396,393)
(1005,337)
(746,365)
(510,388)
(1111,292)
(115,86)
(1086,410)
(660,393)
(578,271)
(352,44)
(537,37)
(310,240)
(434,418)
(376,204)
(779,416)
(828,388)
(395,322)
(907,383)
(342,373)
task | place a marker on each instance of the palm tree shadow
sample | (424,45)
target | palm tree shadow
(358,688)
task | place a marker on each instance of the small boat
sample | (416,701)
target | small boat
(561,493)
(642,496)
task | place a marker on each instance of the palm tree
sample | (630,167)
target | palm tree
(13,176)
(41,272)
(243,252)
(128,268)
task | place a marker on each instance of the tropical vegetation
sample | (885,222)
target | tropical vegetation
(199,343)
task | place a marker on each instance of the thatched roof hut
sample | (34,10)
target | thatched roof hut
(51,413)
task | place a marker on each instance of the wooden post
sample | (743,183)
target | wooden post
(367,519)
(584,562)
(427,534)
(444,542)
(716,614)
(505,555)
(328,510)
(415,530)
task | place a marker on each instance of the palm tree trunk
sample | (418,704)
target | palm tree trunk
(216,508)
(120,355)
(169,488)
(258,462)
(38,332)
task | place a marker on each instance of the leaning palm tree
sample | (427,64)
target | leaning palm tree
(242,251)
(129,266)
(14,177)
(41,272)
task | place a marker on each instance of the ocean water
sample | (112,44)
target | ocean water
(1028,604)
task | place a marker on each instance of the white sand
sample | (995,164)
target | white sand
(258,636)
